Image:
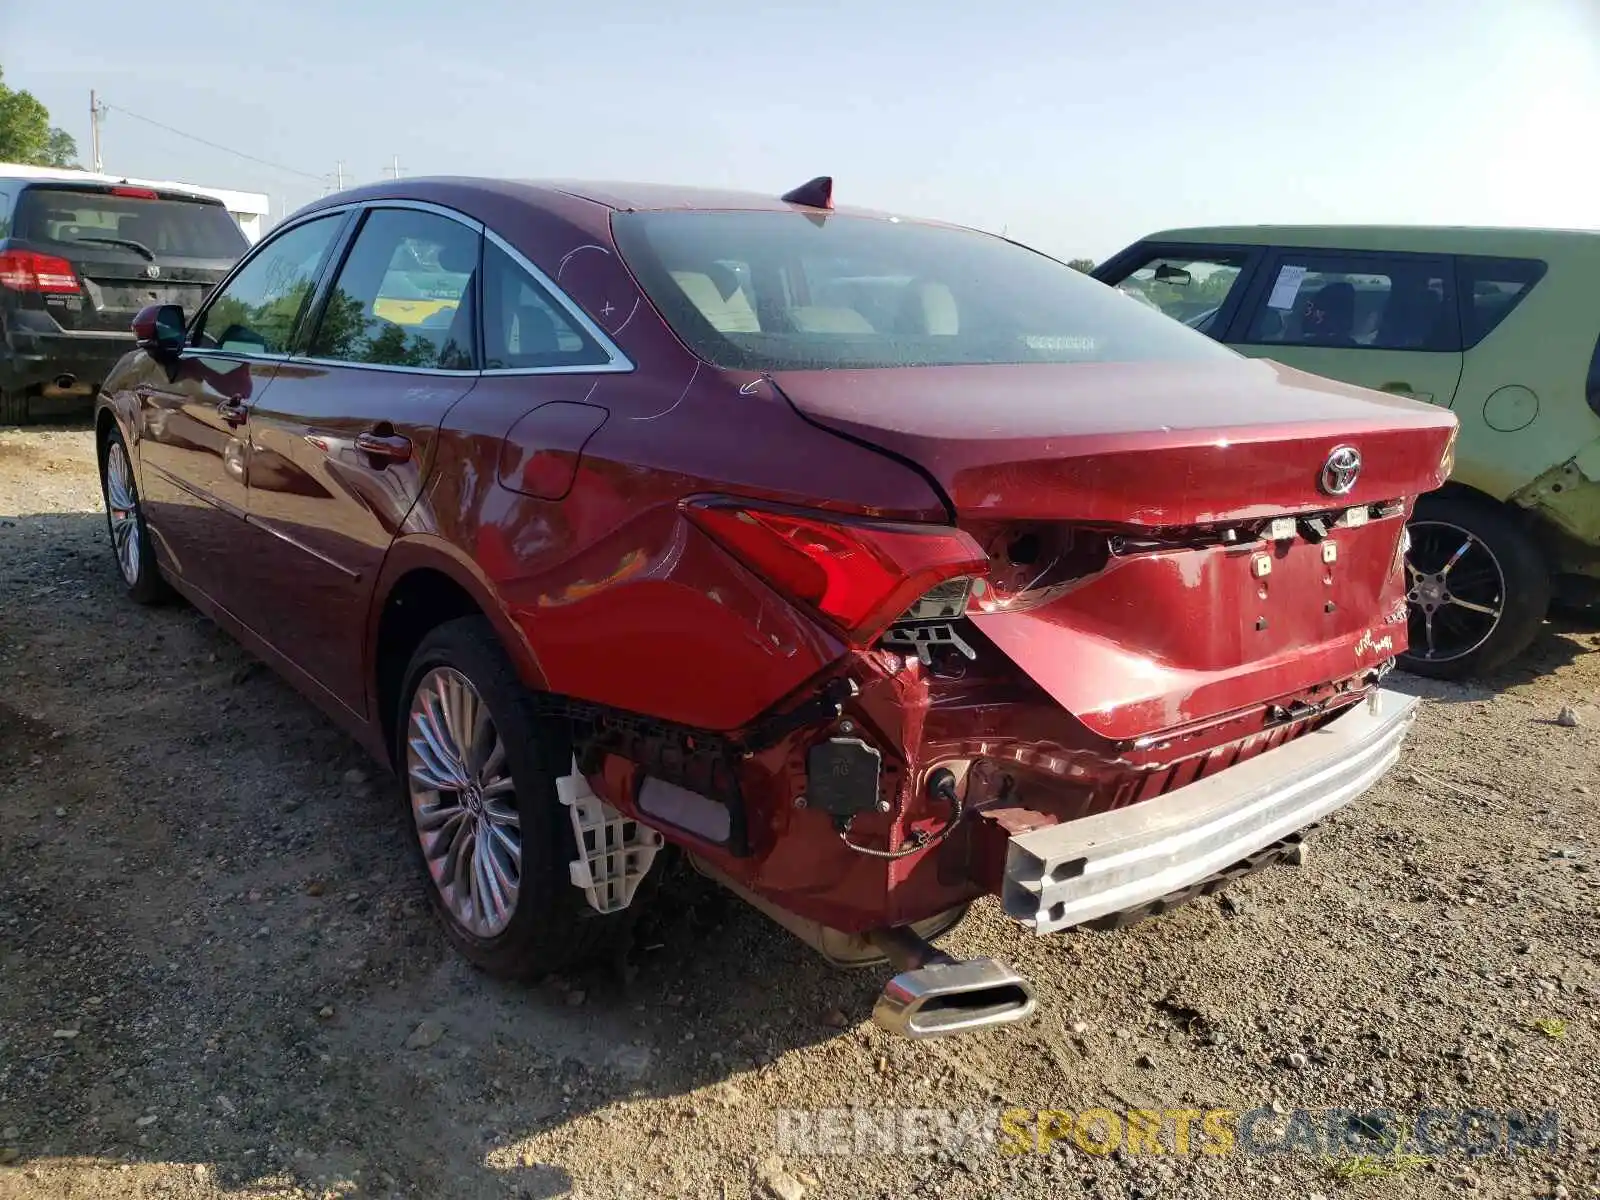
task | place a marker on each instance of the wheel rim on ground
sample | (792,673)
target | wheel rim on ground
(1456,591)
(122,505)
(463,801)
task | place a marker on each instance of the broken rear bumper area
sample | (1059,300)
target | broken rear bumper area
(1077,871)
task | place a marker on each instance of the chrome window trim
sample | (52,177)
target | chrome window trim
(437,210)
(453,372)
(242,356)
(616,361)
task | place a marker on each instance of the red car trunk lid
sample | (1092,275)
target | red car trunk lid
(1164,636)
(1139,444)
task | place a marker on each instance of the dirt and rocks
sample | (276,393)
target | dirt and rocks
(218,976)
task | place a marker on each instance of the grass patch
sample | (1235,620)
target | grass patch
(1376,1166)
(1553,1028)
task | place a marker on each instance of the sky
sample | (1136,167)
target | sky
(1075,127)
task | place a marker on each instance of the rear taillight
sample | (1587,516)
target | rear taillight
(28,271)
(860,576)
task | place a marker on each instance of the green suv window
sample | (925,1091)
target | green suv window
(1490,288)
(1381,303)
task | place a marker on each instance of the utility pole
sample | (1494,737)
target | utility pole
(396,167)
(96,111)
(339,172)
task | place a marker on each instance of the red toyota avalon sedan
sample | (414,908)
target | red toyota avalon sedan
(877,565)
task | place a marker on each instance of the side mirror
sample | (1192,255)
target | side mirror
(159,329)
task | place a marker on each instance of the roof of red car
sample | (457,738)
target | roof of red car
(616,195)
(633,196)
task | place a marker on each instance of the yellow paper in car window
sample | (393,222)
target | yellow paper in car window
(409,312)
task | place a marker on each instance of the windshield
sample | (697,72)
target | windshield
(769,291)
(101,221)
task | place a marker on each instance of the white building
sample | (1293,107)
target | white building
(249,209)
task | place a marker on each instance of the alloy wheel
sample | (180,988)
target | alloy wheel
(122,506)
(1456,591)
(463,801)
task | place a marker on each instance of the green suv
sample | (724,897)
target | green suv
(1499,325)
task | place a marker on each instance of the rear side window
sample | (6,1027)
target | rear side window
(1489,289)
(101,220)
(5,213)
(1371,302)
(524,326)
(791,291)
(403,297)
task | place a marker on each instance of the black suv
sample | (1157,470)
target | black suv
(77,261)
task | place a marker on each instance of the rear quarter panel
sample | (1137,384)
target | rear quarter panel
(1521,399)
(608,593)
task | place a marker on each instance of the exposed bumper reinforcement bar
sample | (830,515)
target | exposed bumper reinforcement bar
(1079,870)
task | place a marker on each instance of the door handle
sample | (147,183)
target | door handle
(385,447)
(233,412)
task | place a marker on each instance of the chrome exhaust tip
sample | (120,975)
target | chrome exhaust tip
(937,996)
(941,999)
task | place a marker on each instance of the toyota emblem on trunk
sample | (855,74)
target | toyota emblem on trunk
(152,272)
(1340,472)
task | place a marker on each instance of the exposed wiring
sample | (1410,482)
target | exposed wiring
(941,784)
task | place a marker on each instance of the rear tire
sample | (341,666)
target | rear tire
(13,407)
(1478,579)
(506,798)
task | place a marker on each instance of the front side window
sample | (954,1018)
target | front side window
(1366,302)
(787,291)
(403,297)
(256,313)
(523,325)
(1191,288)
(1489,289)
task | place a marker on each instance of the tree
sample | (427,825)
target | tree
(61,149)
(1081,264)
(26,135)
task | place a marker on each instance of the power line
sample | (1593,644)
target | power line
(214,145)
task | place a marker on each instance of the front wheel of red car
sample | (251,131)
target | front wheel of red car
(478,766)
(130,536)
(1477,587)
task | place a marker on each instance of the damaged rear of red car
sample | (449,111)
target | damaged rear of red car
(878,565)
(1098,611)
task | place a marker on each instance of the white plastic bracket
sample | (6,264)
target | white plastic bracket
(614,851)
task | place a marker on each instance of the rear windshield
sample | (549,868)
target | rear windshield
(166,228)
(767,291)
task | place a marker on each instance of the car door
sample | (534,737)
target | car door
(193,416)
(342,442)
(1386,321)
(1196,284)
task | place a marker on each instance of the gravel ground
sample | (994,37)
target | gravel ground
(219,978)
